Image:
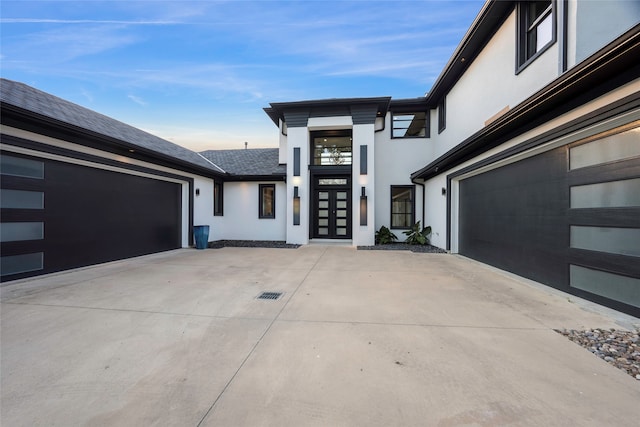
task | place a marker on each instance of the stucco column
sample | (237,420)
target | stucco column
(298,137)
(363,135)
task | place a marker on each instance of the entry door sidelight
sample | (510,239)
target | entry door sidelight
(332,214)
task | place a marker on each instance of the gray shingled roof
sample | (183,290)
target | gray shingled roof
(253,162)
(28,98)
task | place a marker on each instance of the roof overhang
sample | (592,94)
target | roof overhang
(277,110)
(487,22)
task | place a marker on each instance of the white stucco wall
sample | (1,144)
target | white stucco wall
(490,84)
(282,142)
(593,24)
(298,137)
(395,159)
(241,214)
(363,235)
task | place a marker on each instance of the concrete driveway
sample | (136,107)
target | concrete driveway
(358,338)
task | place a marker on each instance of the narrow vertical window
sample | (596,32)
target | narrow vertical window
(363,160)
(442,114)
(402,206)
(267,202)
(296,161)
(217,198)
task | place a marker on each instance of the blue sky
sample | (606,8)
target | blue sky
(198,73)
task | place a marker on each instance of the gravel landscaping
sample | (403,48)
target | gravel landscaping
(619,348)
(284,245)
(251,244)
(404,247)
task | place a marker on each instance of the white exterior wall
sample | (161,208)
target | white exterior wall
(282,143)
(240,219)
(489,85)
(298,137)
(590,25)
(363,235)
(395,159)
(435,206)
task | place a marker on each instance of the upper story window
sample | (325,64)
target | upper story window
(331,148)
(536,30)
(410,124)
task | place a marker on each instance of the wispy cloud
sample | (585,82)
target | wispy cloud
(61,44)
(87,94)
(82,21)
(137,100)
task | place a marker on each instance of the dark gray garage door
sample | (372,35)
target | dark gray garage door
(568,218)
(57,216)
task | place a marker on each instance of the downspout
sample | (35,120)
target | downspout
(423,200)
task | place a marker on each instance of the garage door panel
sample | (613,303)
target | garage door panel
(574,229)
(85,216)
(514,218)
(95,215)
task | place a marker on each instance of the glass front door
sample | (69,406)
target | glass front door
(332,210)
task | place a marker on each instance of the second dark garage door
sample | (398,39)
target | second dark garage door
(568,218)
(514,218)
(92,216)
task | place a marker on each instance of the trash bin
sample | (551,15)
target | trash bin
(201,234)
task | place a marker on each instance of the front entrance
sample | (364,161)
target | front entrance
(331,208)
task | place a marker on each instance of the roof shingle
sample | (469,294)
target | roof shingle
(253,162)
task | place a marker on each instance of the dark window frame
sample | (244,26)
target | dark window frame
(524,27)
(328,133)
(261,201)
(412,189)
(218,198)
(427,123)
(442,114)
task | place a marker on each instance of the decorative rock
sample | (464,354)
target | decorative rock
(619,348)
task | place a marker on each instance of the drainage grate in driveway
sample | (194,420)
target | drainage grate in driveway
(270,295)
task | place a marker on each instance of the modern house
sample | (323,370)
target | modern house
(525,155)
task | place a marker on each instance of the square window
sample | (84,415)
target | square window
(409,124)
(267,202)
(536,30)
(402,206)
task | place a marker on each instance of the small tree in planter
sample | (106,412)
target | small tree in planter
(415,236)
(385,236)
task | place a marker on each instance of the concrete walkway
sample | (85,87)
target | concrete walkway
(359,338)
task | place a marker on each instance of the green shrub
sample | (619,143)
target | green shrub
(415,236)
(385,236)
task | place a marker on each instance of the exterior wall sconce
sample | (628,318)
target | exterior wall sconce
(444,191)
(296,207)
(363,207)
(197,191)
